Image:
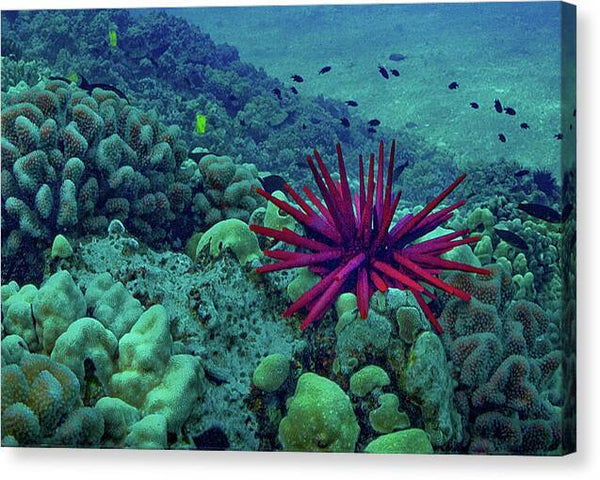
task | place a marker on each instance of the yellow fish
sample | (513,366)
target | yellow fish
(112,37)
(200,124)
(73,77)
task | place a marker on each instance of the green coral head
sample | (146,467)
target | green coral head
(230,234)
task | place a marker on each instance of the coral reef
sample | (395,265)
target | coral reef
(72,162)
(507,361)
(53,397)
(112,338)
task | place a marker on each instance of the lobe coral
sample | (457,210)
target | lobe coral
(348,241)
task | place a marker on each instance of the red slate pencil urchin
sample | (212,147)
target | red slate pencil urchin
(348,241)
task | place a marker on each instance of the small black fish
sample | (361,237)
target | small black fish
(474,105)
(453,86)
(272,183)
(303,128)
(574,112)
(372,130)
(57,77)
(511,238)
(521,173)
(524,126)
(277,93)
(294,90)
(570,126)
(297,78)
(325,70)
(345,122)
(498,106)
(374,122)
(199,153)
(397,57)
(384,72)
(399,169)
(558,136)
(540,211)
(502,137)
(351,103)
(509,111)
(395,72)
(89,87)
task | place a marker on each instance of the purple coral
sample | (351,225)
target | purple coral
(350,245)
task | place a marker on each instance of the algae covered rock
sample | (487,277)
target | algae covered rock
(61,248)
(179,389)
(368,379)
(387,418)
(358,339)
(149,433)
(112,304)
(413,440)
(233,234)
(428,383)
(57,304)
(271,372)
(118,417)
(17,314)
(86,340)
(143,356)
(320,418)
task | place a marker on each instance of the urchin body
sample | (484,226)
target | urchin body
(350,243)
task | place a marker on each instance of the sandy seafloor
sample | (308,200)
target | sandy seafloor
(492,51)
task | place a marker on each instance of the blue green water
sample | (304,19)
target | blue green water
(508,51)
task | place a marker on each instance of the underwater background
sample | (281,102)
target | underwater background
(144,160)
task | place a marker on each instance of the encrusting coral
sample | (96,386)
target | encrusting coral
(84,377)
(320,418)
